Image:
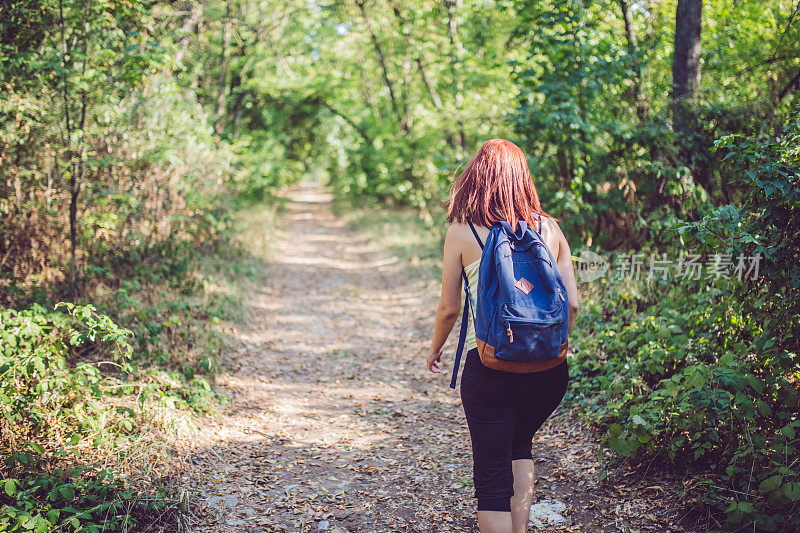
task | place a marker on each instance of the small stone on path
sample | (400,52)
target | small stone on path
(228,501)
(547,513)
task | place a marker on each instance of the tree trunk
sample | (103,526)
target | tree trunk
(193,21)
(367,87)
(18,179)
(238,105)
(222,93)
(685,87)
(453,6)
(685,60)
(633,51)
(407,122)
(412,46)
(74,185)
(238,94)
(565,170)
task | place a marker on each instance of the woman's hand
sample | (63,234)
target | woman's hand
(433,359)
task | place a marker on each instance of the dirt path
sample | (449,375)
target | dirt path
(333,423)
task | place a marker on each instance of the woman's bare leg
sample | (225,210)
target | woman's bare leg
(494,522)
(523,494)
(517,520)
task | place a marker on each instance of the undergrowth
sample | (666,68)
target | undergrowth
(702,372)
(73,402)
(97,399)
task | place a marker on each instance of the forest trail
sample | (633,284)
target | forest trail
(334,424)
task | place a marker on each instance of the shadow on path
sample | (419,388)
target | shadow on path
(334,423)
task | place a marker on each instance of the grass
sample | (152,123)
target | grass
(228,277)
(416,238)
(132,422)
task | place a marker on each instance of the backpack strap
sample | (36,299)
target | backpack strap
(523,227)
(462,335)
(477,238)
(538,229)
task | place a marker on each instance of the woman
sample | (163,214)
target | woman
(503,409)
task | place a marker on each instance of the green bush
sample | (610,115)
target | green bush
(51,369)
(68,500)
(692,380)
(704,373)
(68,395)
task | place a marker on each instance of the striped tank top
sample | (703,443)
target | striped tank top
(471,271)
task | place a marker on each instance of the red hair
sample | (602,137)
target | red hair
(495,186)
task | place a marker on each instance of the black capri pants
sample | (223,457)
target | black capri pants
(503,411)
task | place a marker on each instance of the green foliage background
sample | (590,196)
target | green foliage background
(131,132)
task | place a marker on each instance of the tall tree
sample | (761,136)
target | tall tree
(454,8)
(222,84)
(633,52)
(685,59)
(382,61)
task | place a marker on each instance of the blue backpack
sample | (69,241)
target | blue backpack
(521,313)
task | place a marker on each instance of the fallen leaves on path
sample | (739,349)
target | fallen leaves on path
(334,424)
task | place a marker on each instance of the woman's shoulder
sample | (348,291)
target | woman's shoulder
(462,229)
(552,234)
(550,226)
(456,234)
(456,229)
(460,234)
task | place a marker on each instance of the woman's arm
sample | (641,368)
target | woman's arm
(564,261)
(450,299)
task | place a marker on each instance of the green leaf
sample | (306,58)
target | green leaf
(67,491)
(770,484)
(638,420)
(791,490)
(621,446)
(11,487)
(38,448)
(755,383)
(53,515)
(697,379)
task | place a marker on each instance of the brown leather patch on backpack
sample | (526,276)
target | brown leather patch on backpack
(524,285)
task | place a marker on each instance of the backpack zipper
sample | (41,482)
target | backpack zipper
(561,295)
(509,332)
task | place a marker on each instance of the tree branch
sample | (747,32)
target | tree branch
(381,59)
(793,82)
(359,129)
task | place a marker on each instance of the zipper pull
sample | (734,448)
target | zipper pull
(509,333)
(561,295)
